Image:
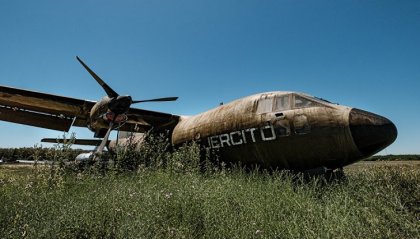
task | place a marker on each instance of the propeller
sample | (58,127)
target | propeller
(118,104)
(109,91)
(155,100)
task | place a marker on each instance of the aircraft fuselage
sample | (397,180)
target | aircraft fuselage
(287,130)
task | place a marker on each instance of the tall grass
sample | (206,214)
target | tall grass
(171,196)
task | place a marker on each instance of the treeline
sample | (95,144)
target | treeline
(391,157)
(35,153)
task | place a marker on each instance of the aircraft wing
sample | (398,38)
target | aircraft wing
(60,113)
(42,110)
(142,120)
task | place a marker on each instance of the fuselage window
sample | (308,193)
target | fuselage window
(301,102)
(282,103)
(265,105)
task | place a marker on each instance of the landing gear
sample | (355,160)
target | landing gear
(336,175)
(329,175)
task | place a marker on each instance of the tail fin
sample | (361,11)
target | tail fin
(92,142)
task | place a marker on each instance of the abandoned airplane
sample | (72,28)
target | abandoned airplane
(285,130)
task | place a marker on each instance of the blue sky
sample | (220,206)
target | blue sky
(364,54)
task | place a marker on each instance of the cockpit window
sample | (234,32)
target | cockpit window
(265,105)
(301,102)
(285,102)
(282,103)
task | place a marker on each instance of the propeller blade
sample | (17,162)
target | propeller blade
(155,100)
(109,91)
(105,140)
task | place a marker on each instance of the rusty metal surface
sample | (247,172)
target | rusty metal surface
(35,119)
(235,115)
(48,103)
(304,138)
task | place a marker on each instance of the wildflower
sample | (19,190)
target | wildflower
(168,195)
(172,230)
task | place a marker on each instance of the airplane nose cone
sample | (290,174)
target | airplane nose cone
(371,133)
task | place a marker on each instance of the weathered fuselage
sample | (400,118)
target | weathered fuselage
(287,130)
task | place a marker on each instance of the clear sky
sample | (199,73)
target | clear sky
(364,54)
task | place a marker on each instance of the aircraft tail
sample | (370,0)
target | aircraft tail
(91,142)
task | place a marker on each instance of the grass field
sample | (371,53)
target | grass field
(376,201)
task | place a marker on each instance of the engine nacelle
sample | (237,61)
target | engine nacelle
(97,121)
(84,157)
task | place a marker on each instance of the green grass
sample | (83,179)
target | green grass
(159,194)
(167,203)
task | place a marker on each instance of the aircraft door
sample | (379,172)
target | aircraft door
(300,120)
(275,111)
(301,125)
(281,111)
(265,109)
